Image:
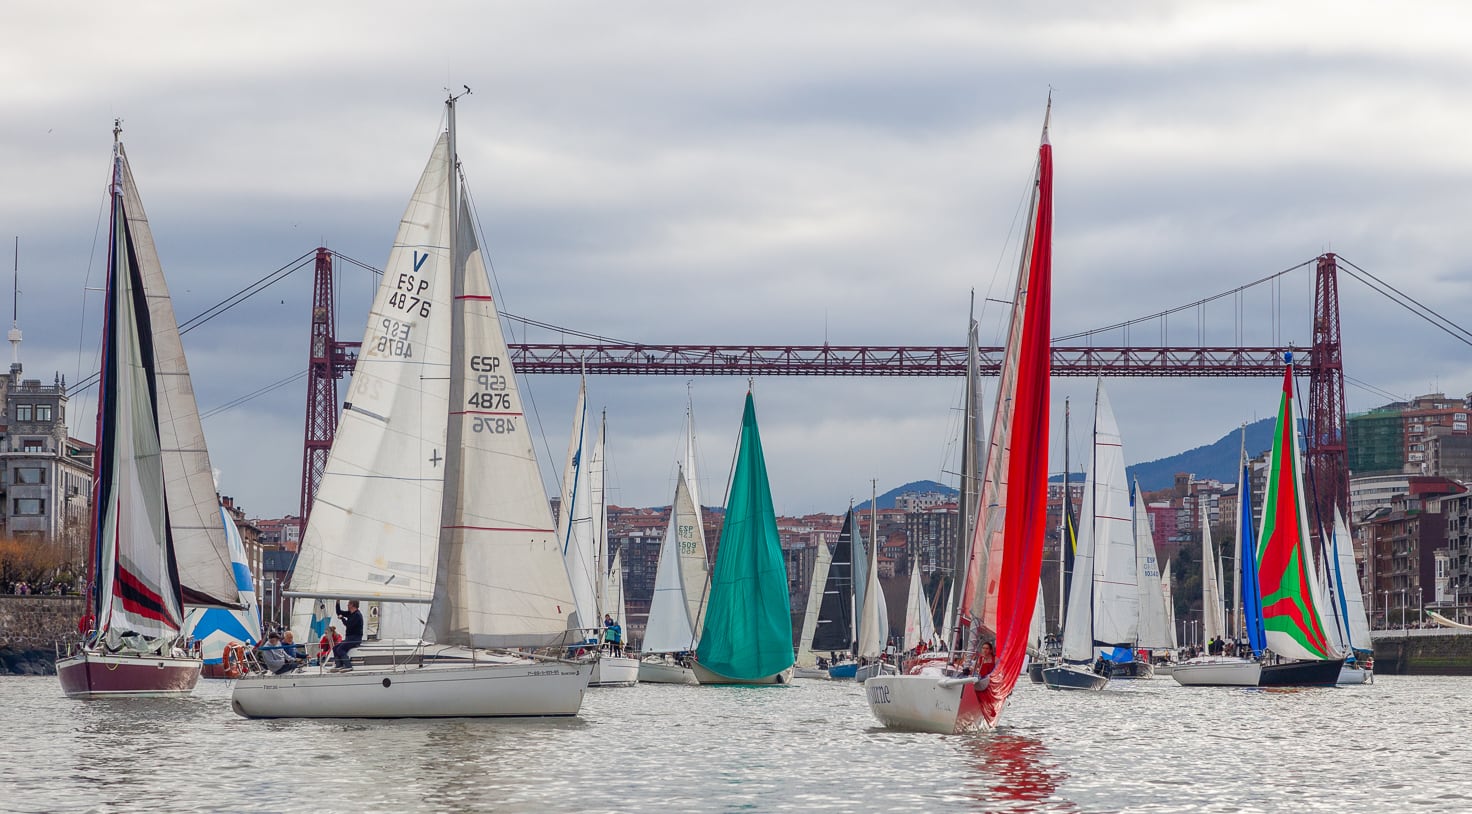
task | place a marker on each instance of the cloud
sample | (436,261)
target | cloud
(761,173)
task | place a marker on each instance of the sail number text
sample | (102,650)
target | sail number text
(394,341)
(409,296)
(492,393)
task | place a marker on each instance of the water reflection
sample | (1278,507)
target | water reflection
(1017,772)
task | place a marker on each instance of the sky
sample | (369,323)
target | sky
(766,173)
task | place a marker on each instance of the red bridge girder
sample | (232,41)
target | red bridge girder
(870,360)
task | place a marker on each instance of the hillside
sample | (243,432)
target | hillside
(1218,460)
(886,500)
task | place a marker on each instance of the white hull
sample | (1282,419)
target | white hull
(1217,671)
(615,671)
(516,689)
(705,676)
(811,672)
(665,672)
(924,703)
(1354,674)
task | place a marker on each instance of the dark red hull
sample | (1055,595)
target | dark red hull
(90,674)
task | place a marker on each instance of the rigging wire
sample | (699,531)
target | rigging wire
(1408,302)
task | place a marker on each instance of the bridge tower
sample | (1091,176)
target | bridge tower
(1328,459)
(327,360)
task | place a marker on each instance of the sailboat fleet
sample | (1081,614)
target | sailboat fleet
(431,511)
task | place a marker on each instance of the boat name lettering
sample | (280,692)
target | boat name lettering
(879,695)
(500,425)
(485,364)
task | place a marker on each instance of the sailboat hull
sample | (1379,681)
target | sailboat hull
(1132,669)
(91,674)
(658,671)
(519,689)
(1068,677)
(705,676)
(811,672)
(1217,671)
(926,703)
(874,669)
(1301,673)
(614,671)
(1355,674)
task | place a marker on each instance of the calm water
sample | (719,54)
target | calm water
(1399,745)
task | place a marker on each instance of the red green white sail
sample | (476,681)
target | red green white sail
(1290,607)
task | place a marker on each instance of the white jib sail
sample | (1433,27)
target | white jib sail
(874,616)
(919,625)
(504,583)
(821,563)
(1170,608)
(1349,583)
(1116,591)
(669,628)
(1154,633)
(201,552)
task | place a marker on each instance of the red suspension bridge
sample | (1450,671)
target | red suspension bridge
(330,358)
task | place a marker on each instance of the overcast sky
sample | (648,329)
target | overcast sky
(756,173)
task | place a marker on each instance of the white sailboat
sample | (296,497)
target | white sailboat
(611,669)
(1220,670)
(874,613)
(1153,633)
(806,665)
(681,583)
(1100,610)
(1349,605)
(156,540)
(919,623)
(432,495)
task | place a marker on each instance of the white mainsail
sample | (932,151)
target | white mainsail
(1154,632)
(874,616)
(575,516)
(374,529)
(1213,612)
(1116,591)
(1170,608)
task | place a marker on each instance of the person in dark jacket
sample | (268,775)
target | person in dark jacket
(352,627)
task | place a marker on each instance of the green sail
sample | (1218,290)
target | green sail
(748,620)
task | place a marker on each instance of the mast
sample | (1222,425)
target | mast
(1065,544)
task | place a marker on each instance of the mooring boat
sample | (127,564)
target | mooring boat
(432,495)
(157,538)
(997,594)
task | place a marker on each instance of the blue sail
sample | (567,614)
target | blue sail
(1251,591)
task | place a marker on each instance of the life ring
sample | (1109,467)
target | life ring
(234,660)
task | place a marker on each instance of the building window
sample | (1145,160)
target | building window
(33,445)
(30,474)
(22,412)
(43,412)
(29,505)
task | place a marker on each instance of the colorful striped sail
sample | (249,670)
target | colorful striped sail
(1290,610)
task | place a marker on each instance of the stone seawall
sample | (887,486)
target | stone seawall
(31,627)
(1423,652)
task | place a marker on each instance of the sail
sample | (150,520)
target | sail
(692,476)
(821,563)
(1154,632)
(1116,589)
(213,628)
(919,624)
(973,434)
(201,552)
(500,580)
(135,578)
(375,524)
(1001,593)
(874,615)
(614,601)
(1170,607)
(835,632)
(1213,612)
(1247,564)
(1346,578)
(1290,608)
(748,621)
(1037,630)
(575,516)
(1334,626)
(671,625)
(860,562)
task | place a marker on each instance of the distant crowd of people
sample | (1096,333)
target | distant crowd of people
(43,589)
